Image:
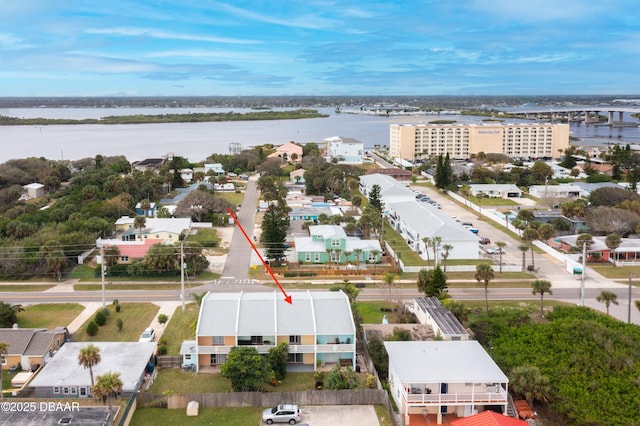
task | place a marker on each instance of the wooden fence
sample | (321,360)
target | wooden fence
(265,399)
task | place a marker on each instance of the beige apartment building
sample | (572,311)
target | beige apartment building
(415,141)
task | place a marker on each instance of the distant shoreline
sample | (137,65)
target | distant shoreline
(167,118)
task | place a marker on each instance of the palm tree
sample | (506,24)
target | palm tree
(607,297)
(389,279)
(375,254)
(427,245)
(4,347)
(107,387)
(88,358)
(466,192)
(501,245)
(524,248)
(613,242)
(357,252)
(526,380)
(435,242)
(446,248)
(541,287)
(529,236)
(484,273)
(139,222)
(145,206)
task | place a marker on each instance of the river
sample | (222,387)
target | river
(196,141)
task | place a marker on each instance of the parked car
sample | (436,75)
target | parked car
(147,335)
(484,241)
(283,413)
(495,250)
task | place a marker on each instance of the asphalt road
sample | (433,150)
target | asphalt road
(236,268)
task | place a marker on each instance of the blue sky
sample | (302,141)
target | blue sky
(319,47)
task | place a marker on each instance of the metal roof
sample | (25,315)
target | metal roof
(267,314)
(446,361)
(445,320)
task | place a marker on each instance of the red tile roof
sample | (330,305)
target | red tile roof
(489,418)
(136,251)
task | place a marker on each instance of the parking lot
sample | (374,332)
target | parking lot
(333,415)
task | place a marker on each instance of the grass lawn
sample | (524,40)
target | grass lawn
(135,316)
(370,311)
(177,381)
(128,286)
(234,198)
(179,328)
(49,315)
(25,287)
(383,415)
(616,272)
(294,382)
(86,273)
(236,416)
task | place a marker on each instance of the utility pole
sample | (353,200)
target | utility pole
(182,274)
(584,268)
(102,268)
(629,307)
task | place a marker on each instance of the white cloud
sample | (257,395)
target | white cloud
(146,32)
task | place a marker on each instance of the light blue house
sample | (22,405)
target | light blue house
(329,243)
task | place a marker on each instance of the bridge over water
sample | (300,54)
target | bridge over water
(587,115)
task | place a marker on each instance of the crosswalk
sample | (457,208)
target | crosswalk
(233,281)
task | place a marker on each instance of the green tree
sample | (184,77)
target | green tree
(607,297)
(541,287)
(484,274)
(139,223)
(92,328)
(446,251)
(89,357)
(437,286)
(278,358)
(347,288)
(374,198)
(613,241)
(541,171)
(107,388)
(100,318)
(444,174)
(247,370)
(162,258)
(341,378)
(8,314)
(530,235)
(163,318)
(524,248)
(275,225)
(528,381)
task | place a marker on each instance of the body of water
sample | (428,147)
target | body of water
(196,141)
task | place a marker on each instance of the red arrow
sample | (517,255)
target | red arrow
(287,298)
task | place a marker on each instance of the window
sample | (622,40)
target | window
(56,389)
(187,357)
(83,392)
(217,340)
(3,358)
(124,258)
(256,340)
(295,340)
(65,390)
(217,359)
(335,243)
(296,358)
(74,390)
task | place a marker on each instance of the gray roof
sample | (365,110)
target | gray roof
(498,187)
(188,347)
(428,221)
(130,359)
(27,341)
(452,361)
(266,314)
(445,320)
(327,231)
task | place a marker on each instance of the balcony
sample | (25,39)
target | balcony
(458,398)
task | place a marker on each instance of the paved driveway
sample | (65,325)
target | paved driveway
(333,415)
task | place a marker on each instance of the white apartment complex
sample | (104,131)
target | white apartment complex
(460,141)
(344,150)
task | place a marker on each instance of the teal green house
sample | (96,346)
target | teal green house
(330,244)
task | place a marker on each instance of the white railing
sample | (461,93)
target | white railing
(351,347)
(456,398)
(263,349)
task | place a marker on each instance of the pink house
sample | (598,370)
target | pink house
(286,153)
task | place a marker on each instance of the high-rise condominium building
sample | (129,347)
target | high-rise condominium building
(415,141)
